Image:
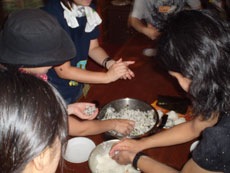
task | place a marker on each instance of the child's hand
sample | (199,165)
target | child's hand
(120,70)
(151,32)
(123,126)
(80,110)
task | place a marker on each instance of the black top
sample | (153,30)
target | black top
(213,151)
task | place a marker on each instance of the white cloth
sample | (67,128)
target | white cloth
(93,19)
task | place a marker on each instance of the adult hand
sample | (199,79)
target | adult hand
(126,145)
(79,108)
(124,157)
(123,126)
(120,70)
(151,32)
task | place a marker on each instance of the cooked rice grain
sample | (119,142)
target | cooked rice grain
(144,120)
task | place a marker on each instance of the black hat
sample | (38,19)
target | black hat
(33,38)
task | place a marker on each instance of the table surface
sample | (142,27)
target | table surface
(150,80)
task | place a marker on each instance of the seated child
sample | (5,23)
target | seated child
(32,41)
(28,143)
(195,48)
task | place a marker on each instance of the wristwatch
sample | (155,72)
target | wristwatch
(136,158)
(104,63)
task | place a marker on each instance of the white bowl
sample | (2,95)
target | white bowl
(78,149)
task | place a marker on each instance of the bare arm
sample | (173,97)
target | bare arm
(93,127)
(66,71)
(150,32)
(98,54)
(178,134)
(116,70)
(149,165)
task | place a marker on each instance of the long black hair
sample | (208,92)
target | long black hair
(32,117)
(197,45)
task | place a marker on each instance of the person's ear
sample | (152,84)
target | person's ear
(41,160)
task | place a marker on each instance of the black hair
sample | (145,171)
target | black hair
(32,117)
(197,45)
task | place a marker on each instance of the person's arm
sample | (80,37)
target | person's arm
(176,135)
(98,54)
(66,71)
(149,165)
(144,163)
(118,70)
(93,127)
(138,25)
(180,134)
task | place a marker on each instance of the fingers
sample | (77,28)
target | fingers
(125,127)
(119,146)
(127,63)
(120,70)
(130,127)
(115,148)
(119,61)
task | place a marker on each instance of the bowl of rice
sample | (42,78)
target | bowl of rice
(144,115)
(101,162)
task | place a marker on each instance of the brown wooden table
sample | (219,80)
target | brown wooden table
(150,80)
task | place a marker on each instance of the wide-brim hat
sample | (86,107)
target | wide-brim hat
(33,38)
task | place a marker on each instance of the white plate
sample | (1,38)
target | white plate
(78,149)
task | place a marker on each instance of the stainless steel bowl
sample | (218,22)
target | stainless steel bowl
(102,149)
(131,103)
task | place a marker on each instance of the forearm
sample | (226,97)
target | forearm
(176,135)
(98,54)
(179,134)
(137,24)
(148,165)
(85,128)
(84,76)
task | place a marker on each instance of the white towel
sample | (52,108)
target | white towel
(93,19)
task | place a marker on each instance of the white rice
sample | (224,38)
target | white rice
(105,164)
(89,110)
(144,120)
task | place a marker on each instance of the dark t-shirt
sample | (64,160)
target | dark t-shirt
(71,90)
(213,151)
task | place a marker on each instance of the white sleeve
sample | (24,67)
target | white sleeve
(194,3)
(138,9)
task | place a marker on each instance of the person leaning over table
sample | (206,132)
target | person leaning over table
(195,48)
(32,42)
(80,20)
(155,13)
(33,132)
